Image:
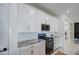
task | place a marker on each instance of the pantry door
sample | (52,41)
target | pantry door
(4,32)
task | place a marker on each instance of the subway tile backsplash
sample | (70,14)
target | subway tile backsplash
(30,35)
(27,36)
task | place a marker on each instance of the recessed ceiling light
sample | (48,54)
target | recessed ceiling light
(31,12)
(67,11)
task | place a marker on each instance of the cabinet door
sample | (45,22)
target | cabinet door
(36,49)
(42,48)
(25,50)
(39,48)
(56,43)
(26,21)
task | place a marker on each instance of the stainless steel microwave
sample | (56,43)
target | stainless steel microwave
(45,27)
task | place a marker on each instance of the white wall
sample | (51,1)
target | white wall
(61,32)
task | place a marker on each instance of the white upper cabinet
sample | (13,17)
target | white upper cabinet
(30,19)
(26,18)
(44,18)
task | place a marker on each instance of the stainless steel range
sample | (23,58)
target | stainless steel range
(49,42)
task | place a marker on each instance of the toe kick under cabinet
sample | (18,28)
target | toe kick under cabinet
(34,49)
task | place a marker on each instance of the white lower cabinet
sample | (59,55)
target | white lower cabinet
(25,50)
(42,48)
(34,49)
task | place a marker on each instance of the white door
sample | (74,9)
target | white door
(3,29)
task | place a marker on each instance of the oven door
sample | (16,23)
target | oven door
(49,47)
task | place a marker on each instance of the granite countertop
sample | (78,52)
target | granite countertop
(28,42)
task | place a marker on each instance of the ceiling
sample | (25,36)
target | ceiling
(58,9)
